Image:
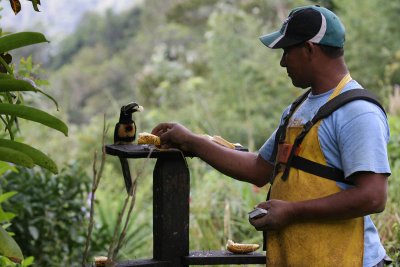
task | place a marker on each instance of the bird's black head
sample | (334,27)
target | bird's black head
(127,110)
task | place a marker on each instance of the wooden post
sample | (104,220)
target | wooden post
(171,187)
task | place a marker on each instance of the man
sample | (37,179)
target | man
(318,215)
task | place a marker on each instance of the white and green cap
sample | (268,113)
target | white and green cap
(309,23)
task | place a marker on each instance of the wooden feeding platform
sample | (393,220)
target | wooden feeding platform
(171,187)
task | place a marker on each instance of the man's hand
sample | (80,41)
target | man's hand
(280,213)
(243,166)
(174,135)
(366,197)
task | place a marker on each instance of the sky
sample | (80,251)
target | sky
(56,17)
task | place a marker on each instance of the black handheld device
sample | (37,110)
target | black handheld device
(257,213)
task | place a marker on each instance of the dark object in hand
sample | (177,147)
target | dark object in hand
(257,213)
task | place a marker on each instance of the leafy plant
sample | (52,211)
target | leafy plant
(11,108)
(51,213)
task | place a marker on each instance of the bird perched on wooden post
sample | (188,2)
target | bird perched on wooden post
(125,129)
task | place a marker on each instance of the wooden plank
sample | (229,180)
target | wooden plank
(171,186)
(143,263)
(222,257)
(142,151)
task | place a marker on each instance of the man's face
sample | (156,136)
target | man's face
(294,60)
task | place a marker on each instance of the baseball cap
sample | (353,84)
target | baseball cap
(309,23)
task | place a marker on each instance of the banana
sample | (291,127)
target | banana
(219,140)
(100,261)
(239,248)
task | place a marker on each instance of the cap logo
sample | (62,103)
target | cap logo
(318,37)
(285,24)
(283,31)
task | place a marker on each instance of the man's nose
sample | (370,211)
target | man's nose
(283,61)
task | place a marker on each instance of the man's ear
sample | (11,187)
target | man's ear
(311,49)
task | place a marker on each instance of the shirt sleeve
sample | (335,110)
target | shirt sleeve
(267,148)
(362,134)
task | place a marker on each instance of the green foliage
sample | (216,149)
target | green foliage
(34,114)
(231,201)
(201,63)
(394,144)
(371,37)
(388,222)
(37,157)
(11,250)
(20,39)
(12,107)
(112,30)
(51,213)
(5,262)
(138,239)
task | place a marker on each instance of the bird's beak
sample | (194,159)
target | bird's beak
(131,108)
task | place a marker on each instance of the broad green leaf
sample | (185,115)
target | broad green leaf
(9,85)
(28,261)
(20,39)
(5,196)
(5,166)
(7,216)
(34,114)
(38,157)
(9,248)
(16,157)
(6,76)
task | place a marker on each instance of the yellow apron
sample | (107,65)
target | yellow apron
(320,242)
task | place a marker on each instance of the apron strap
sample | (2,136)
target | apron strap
(325,111)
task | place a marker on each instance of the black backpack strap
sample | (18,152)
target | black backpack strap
(325,111)
(280,137)
(281,132)
(344,98)
(320,170)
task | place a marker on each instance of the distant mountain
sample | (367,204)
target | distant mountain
(56,17)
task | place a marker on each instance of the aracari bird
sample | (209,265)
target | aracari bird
(125,129)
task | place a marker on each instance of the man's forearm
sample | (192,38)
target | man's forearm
(367,197)
(244,166)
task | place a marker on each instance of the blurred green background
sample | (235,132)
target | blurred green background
(196,62)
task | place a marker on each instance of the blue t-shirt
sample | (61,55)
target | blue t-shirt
(353,138)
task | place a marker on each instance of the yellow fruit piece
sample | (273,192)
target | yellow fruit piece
(148,138)
(239,248)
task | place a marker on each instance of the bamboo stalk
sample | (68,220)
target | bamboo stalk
(132,196)
(95,183)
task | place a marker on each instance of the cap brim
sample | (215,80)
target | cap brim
(277,40)
(269,39)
